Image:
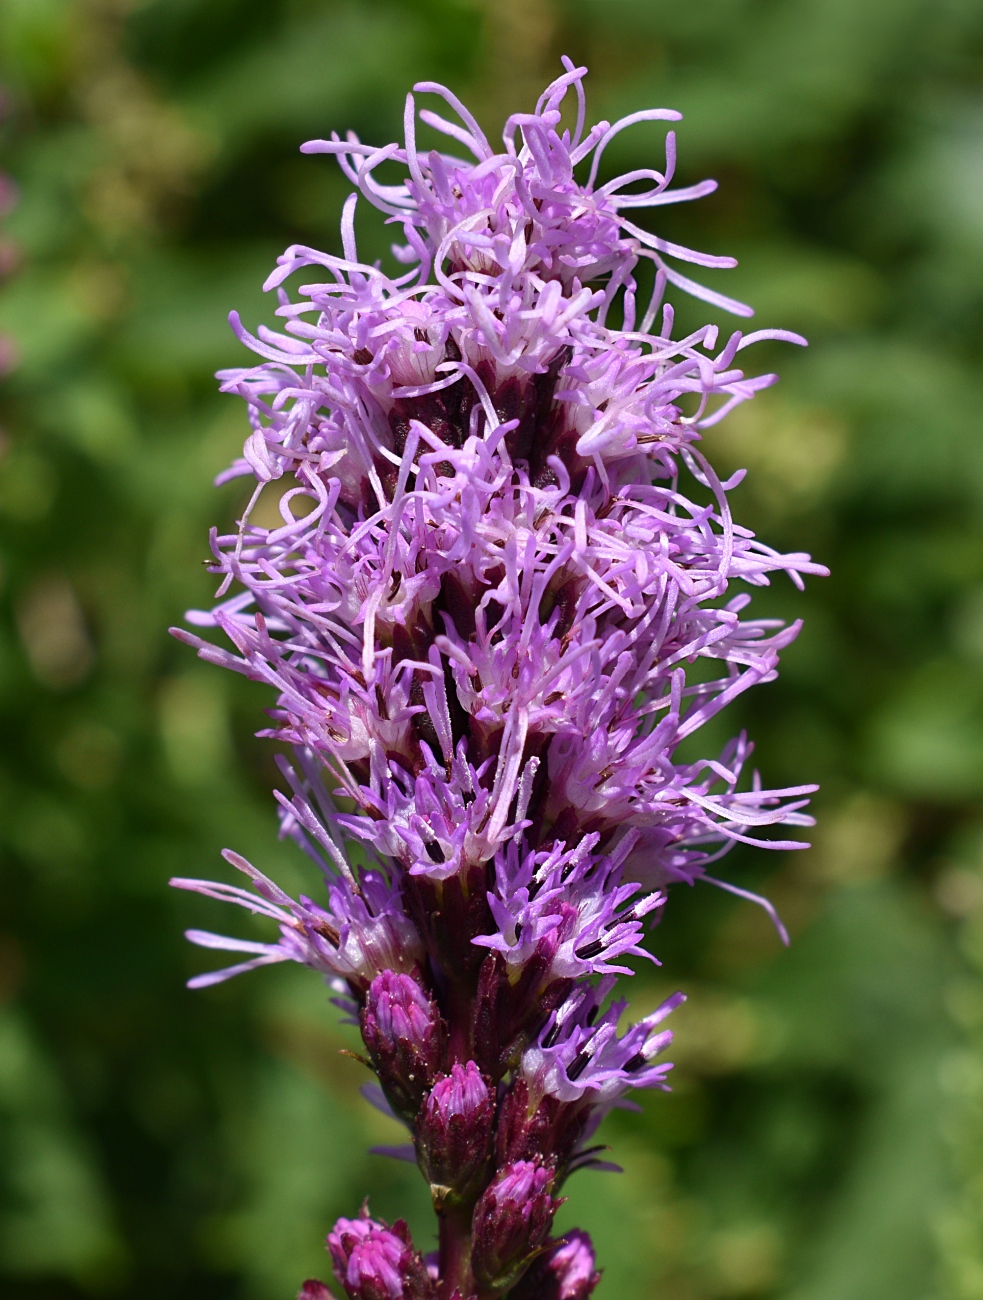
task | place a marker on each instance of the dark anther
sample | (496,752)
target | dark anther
(328,932)
(362,356)
(552,1036)
(627,915)
(397,581)
(636,1063)
(578,1065)
(590,950)
(494,612)
(592,1014)
(421,335)
(434,852)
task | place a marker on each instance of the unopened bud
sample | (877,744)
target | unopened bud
(375,1262)
(404,1033)
(454,1133)
(314,1290)
(511,1221)
(565,1272)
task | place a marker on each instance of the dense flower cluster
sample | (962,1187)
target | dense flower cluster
(480,615)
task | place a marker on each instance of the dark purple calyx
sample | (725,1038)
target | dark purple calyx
(550,1128)
(451,912)
(509,1011)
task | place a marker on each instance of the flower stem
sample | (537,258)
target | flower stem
(455,1251)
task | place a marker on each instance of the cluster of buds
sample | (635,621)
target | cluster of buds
(481,614)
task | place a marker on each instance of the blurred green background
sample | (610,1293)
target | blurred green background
(825,1137)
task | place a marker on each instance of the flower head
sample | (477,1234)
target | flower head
(454,1132)
(579,1053)
(375,1262)
(364,931)
(403,1030)
(511,1221)
(314,1290)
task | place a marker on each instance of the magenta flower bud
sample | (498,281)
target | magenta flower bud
(405,1035)
(454,1134)
(374,1262)
(314,1290)
(565,1272)
(511,1221)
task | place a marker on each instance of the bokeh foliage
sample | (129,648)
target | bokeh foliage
(825,1137)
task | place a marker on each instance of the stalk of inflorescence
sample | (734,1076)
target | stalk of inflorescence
(503,568)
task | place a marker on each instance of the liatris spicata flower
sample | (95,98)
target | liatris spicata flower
(481,614)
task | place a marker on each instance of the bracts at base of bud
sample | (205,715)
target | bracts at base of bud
(405,1036)
(551,1128)
(375,1262)
(564,1272)
(507,1010)
(511,1222)
(450,913)
(454,1135)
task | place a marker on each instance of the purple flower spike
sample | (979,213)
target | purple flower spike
(404,1033)
(566,1272)
(454,1134)
(511,1222)
(504,589)
(373,1262)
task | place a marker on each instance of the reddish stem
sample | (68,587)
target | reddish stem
(455,1221)
(455,1252)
